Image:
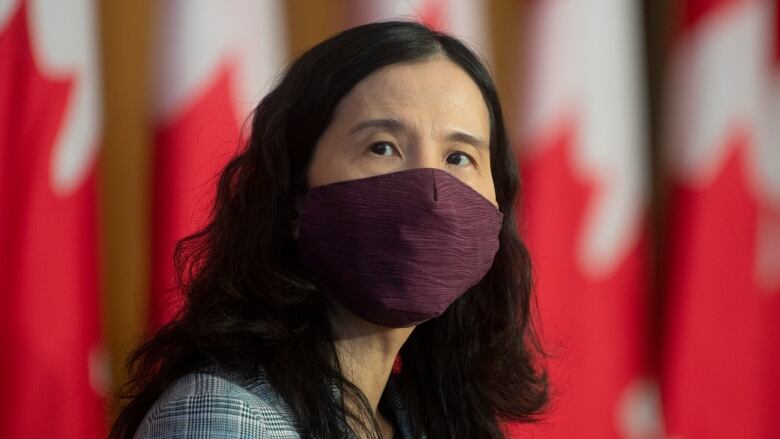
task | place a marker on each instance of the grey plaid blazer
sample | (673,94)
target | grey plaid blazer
(216,405)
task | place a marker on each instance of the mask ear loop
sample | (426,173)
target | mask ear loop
(300,189)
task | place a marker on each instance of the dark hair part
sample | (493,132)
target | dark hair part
(249,304)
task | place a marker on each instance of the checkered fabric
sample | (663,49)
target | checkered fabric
(217,405)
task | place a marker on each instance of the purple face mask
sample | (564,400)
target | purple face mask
(397,249)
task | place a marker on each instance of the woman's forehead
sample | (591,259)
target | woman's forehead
(436,88)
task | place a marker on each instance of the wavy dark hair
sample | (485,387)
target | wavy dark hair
(249,304)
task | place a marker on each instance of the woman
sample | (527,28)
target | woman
(361,272)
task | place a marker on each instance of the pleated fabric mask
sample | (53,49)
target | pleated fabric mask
(397,249)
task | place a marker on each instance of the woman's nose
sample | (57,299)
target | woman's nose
(425,156)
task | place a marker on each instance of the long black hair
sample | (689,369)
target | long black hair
(249,304)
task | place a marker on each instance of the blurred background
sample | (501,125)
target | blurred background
(648,137)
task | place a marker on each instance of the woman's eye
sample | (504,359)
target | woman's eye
(382,148)
(460,158)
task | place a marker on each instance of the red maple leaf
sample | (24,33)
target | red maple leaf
(48,274)
(432,15)
(691,12)
(721,360)
(190,150)
(593,327)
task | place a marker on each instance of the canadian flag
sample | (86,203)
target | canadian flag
(466,19)
(51,361)
(721,374)
(581,144)
(214,61)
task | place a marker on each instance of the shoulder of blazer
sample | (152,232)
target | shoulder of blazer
(211,403)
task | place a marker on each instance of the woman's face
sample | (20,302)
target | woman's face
(429,114)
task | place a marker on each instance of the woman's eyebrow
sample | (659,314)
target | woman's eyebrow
(395,125)
(389,124)
(461,137)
